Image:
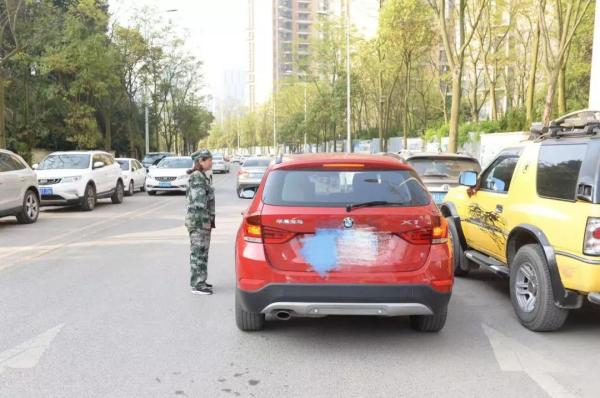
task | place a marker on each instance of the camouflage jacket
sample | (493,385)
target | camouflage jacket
(200,203)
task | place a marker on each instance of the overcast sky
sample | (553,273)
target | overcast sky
(217,31)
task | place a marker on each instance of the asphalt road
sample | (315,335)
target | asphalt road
(98,305)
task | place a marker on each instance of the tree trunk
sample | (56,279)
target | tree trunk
(107,131)
(532,75)
(474,100)
(493,100)
(406,98)
(552,82)
(2,112)
(562,88)
(380,112)
(455,109)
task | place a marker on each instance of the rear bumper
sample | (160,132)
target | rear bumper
(337,299)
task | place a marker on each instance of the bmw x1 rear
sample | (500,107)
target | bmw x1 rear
(342,235)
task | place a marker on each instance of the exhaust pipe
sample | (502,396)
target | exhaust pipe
(283,315)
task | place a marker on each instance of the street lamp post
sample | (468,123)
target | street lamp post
(348,103)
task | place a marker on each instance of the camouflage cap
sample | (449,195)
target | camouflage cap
(201,155)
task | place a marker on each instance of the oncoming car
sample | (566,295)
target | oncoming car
(342,235)
(169,175)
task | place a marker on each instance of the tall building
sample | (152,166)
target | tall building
(279,30)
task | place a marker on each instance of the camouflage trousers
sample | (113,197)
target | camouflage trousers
(200,243)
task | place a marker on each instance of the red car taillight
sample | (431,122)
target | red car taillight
(436,234)
(591,244)
(252,229)
(255,232)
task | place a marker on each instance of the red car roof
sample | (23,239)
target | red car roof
(342,159)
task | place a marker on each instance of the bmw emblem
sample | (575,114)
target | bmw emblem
(348,222)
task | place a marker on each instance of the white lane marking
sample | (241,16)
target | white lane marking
(117,216)
(27,355)
(41,250)
(513,356)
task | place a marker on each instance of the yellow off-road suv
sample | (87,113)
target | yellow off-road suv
(534,215)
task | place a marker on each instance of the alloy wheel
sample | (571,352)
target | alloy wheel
(526,287)
(32,207)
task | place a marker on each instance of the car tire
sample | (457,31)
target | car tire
(531,291)
(248,321)
(429,323)
(131,189)
(151,193)
(117,196)
(31,208)
(143,188)
(88,201)
(461,263)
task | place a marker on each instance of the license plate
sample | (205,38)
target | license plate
(438,197)
(46,191)
(164,185)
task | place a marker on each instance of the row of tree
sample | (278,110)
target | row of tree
(435,68)
(72,78)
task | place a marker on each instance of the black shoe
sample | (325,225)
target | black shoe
(202,290)
(208,285)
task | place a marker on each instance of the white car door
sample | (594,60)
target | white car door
(113,172)
(99,174)
(140,174)
(10,182)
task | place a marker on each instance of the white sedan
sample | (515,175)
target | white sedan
(134,175)
(169,175)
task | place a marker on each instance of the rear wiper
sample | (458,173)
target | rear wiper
(373,203)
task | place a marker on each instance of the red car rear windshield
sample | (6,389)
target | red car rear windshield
(333,188)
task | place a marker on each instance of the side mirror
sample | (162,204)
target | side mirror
(98,165)
(468,179)
(35,166)
(248,194)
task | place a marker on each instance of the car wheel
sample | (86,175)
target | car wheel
(531,291)
(143,188)
(131,189)
(88,202)
(31,208)
(429,323)
(117,196)
(248,321)
(151,193)
(461,264)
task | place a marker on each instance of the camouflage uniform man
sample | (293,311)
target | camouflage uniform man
(200,219)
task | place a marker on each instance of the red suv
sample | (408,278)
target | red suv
(342,235)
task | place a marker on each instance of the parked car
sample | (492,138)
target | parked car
(533,215)
(79,178)
(440,171)
(342,235)
(134,175)
(169,175)
(220,163)
(152,158)
(251,173)
(19,194)
(391,155)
